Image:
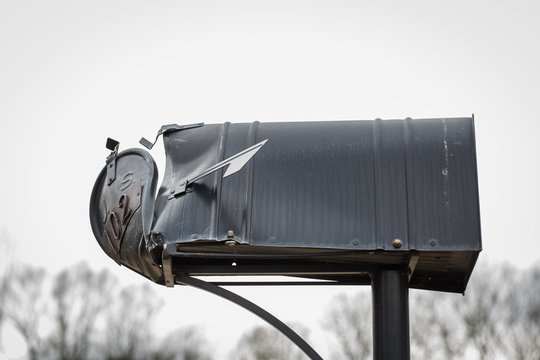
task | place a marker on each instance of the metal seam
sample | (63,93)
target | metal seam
(218,183)
(247,213)
(378,185)
(409,188)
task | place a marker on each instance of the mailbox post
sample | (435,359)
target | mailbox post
(387,203)
(390,292)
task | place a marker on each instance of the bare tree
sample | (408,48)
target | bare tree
(186,343)
(349,322)
(3,293)
(5,271)
(93,317)
(128,323)
(436,331)
(483,308)
(80,296)
(498,315)
(266,343)
(128,331)
(23,305)
(522,319)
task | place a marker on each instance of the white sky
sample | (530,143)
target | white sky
(75,72)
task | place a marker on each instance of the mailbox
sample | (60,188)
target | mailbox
(329,200)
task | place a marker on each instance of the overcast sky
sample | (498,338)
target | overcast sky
(73,73)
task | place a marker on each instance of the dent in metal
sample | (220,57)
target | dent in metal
(235,163)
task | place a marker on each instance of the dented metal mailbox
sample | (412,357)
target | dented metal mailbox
(321,200)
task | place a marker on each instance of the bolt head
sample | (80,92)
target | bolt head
(397,243)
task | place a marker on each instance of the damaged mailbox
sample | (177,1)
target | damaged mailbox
(320,200)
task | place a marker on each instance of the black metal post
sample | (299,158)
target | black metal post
(390,298)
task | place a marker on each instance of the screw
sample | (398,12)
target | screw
(397,243)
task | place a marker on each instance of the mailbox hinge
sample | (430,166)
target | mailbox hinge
(164,129)
(111,160)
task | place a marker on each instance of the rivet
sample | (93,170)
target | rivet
(230,234)
(230,243)
(397,243)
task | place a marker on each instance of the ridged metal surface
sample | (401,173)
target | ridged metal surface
(356,184)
